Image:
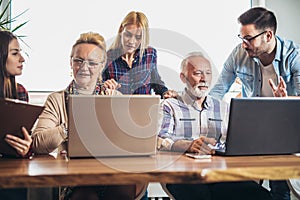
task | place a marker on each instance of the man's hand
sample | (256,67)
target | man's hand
(21,146)
(200,145)
(280,90)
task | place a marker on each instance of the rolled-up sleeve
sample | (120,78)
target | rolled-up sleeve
(167,127)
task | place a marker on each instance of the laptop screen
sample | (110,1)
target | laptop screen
(263,126)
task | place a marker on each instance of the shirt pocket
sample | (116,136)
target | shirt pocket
(247,81)
(245,77)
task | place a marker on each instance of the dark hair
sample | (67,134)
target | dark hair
(8,87)
(260,17)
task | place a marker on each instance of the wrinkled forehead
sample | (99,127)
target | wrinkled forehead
(86,50)
(198,63)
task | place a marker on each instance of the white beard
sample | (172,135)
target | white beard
(196,91)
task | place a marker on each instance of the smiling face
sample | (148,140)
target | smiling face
(14,62)
(197,76)
(86,73)
(131,38)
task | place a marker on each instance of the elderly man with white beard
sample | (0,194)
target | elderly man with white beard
(194,122)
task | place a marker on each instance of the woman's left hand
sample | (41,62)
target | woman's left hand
(22,146)
(170,94)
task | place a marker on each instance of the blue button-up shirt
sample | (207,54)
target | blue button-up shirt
(184,120)
(239,64)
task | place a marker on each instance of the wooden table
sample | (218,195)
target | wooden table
(166,167)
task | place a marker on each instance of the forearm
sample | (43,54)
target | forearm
(182,145)
(49,132)
(46,140)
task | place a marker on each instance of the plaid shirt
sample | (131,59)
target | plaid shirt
(140,78)
(182,119)
(22,93)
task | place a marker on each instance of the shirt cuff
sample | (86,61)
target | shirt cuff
(166,144)
(65,131)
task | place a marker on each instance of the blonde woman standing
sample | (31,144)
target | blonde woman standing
(131,61)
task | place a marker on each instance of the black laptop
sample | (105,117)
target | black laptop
(263,126)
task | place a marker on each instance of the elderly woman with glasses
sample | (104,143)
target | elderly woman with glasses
(88,57)
(87,60)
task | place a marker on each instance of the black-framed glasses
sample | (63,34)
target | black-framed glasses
(248,40)
(79,63)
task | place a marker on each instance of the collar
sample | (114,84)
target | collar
(120,54)
(278,49)
(71,89)
(190,100)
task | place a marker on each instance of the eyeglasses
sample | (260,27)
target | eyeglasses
(79,63)
(248,40)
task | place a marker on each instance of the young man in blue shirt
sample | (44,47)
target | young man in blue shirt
(266,64)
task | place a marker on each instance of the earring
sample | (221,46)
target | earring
(71,73)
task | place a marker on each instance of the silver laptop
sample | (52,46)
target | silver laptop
(263,126)
(109,126)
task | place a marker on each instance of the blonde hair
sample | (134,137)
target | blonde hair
(140,20)
(91,38)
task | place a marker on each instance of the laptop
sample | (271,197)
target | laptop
(112,126)
(263,126)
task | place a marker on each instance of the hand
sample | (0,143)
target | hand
(170,94)
(111,92)
(128,58)
(22,146)
(111,84)
(280,90)
(200,145)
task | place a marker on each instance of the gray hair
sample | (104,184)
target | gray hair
(184,62)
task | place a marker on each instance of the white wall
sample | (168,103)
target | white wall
(288,17)
(178,27)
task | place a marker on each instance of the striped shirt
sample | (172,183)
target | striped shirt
(140,78)
(182,119)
